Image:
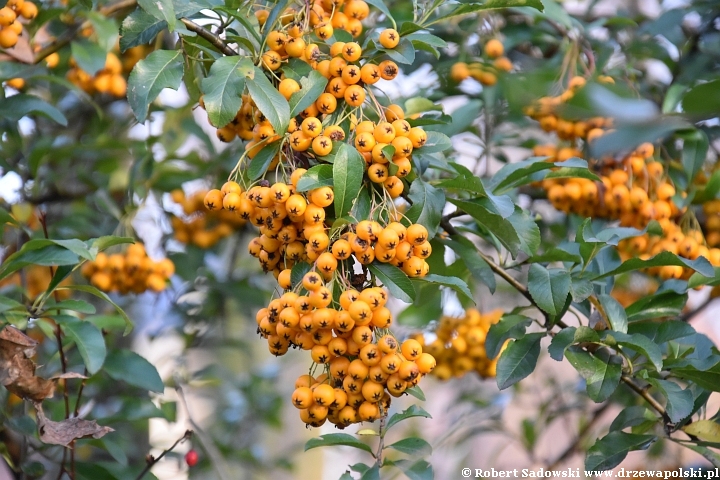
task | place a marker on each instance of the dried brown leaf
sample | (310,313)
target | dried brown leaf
(64,432)
(17,371)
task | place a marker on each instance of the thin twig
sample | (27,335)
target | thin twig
(573,447)
(209,36)
(648,398)
(688,316)
(69,34)
(151,461)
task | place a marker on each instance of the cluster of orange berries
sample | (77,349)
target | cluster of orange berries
(545,111)
(364,365)
(108,80)
(10,26)
(459,345)
(486,71)
(711,210)
(200,227)
(292,229)
(129,272)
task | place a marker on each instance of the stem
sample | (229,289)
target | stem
(152,460)
(648,398)
(72,32)
(381,443)
(573,447)
(216,41)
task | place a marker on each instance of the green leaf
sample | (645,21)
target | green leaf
(7,303)
(639,343)
(332,439)
(660,305)
(269,101)
(380,5)
(509,326)
(679,402)
(107,241)
(404,52)
(139,28)
(88,339)
(612,449)
(416,392)
(629,135)
(436,142)
(88,55)
(526,229)
(311,87)
(518,360)
(427,207)
(318,176)
(412,411)
(568,336)
(372,473)
(262,160)
(106,30)
(469,255)
(549,288)
(707,378)
(129,367)
(161,69)
(516,174)
(161,10)
(602,376)
(80,306)
(694,152)
(223,87)
(466,180)
(395,280)
(700,265)
(452,282)
(298,272)
(348,170)
(94,291)
(413,469)
(17,106)
(615,313)
(631,417)
(482,211)
(703,100)
(412,446)
(39,252)
(466,8)
(661,332)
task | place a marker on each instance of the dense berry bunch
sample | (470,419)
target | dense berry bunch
(323,253)
(487,68)
(459,345)
(109,80)
(10,26)
(129,272)
(198,226)
(635,190)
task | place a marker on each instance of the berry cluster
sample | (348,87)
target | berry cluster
(711,225)
(459,345)
(486,70)
(10,26)
(546,111)
(129,272)
(109,80)
(198,226)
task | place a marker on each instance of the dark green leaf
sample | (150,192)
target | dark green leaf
(549,288)
(269,101)
(75,305)
(318,176)
(679,402)
(631,417)
(17,106)
(436,142)
(161,69)
(161,10)
(481,210)
(412,411)
(427,207)
(518,360)
(640,344)
(468,253)
(452,282)
(380,5)
(311,87)
(695,148)
(413,469)
(703,100)
(139,28)
(394,280)
(700,265)
(509,326)
(262,160)
(94,291)
(404,52)
(627,136)
(612,449)
(602,376)
(88,339)
(416,392)
(661,332)
(615,313)
(527,230)
(412,446)
(466,8)
(348,169)
(129,367)
(332,439)
(223,88)
(372,473)
(660,305)
(298,272)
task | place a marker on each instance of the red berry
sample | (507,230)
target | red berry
(191,458)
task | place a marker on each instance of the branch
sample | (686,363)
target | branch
(151,461)
(573,447)
(688,316)
(72,32)
(648,398)
(209,36)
